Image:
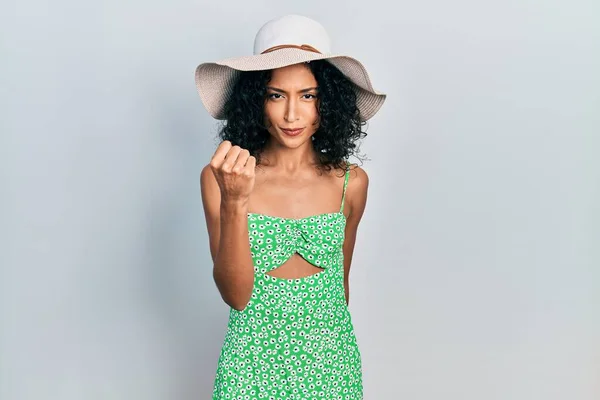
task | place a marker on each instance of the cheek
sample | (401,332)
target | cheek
(269,115)
(314,116)
(273,111)
(268,124)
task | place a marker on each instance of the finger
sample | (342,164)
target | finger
(231,158)
(241,160)
(219,157)
(250,164)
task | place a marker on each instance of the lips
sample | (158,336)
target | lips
(293,132)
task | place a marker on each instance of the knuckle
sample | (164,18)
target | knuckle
(224,146)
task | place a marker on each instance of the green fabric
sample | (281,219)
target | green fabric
(295,339)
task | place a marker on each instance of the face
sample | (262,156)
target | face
(291,105)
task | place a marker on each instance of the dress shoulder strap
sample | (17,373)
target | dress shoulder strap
(345,185)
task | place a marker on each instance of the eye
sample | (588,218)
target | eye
(271,96)
(311,96)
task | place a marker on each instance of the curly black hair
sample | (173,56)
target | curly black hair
(340,125)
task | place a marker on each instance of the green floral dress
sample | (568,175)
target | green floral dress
(294,340)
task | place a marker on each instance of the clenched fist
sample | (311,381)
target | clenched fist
(233,168)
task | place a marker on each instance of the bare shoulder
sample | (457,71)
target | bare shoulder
(358,181)
(211,195)
(356,193)
(207,178)
(206,173)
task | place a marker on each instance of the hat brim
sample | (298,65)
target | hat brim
(214,80)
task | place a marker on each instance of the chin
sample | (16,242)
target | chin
(292,142)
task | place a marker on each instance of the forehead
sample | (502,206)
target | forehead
(297,76)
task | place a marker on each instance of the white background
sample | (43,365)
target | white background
(476,272)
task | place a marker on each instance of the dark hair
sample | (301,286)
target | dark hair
(340,125)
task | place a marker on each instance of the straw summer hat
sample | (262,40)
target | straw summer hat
(284,41)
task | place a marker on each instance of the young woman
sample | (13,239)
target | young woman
(282,207)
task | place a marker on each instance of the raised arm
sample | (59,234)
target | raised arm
(226,184)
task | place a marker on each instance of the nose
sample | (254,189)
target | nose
(291,114)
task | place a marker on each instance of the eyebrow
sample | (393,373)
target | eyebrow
(284,92)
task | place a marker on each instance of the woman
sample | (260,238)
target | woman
(282,207)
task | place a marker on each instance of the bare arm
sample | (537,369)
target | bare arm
(356,199)
(224,186)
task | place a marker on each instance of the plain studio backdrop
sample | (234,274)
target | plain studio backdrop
(476,272)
